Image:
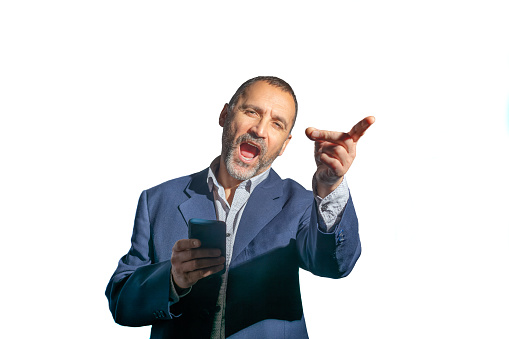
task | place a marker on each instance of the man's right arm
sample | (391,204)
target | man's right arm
(141,291)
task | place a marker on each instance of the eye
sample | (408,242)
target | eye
(279,125)
(250,112)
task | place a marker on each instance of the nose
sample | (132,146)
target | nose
(259,130)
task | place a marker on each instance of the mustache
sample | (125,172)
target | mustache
(258,141)
(248,137)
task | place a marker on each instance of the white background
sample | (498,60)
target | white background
(102,99)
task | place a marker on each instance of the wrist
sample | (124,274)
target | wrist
(180,290)
(323,188)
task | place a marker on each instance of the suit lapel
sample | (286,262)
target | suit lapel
(201,201)
(263,205)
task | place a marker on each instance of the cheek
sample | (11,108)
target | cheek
(233,129)
(240,128)
(276,144)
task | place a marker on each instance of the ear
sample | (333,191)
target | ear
(285,144)
(222,116)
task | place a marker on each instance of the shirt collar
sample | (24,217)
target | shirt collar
(249,185)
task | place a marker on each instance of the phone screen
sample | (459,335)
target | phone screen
(211,233)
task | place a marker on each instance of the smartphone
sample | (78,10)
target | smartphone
(211,233)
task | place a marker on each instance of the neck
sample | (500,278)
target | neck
(228,182)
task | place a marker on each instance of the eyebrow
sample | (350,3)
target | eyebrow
(259,109)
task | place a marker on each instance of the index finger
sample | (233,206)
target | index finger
(322,135)
(186,244)
(360,128)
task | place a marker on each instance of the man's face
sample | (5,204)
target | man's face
(257,131)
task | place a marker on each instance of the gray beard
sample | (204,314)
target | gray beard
(229,150)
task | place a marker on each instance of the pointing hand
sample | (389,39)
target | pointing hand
(334,154)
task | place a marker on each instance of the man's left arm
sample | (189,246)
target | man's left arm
(332,248)
(329,249)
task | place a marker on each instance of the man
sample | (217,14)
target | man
(274,227)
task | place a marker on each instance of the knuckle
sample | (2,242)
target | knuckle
(175,262)
(177,246)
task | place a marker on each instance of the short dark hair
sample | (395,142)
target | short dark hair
(271,80)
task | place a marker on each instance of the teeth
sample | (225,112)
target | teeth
(253,145)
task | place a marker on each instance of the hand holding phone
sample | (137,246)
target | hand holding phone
(200,256)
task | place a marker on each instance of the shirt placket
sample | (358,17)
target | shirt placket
(232,213)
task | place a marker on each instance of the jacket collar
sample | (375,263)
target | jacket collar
(201,201)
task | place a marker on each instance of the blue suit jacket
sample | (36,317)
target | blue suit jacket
(278,233)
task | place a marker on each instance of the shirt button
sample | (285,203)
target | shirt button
(228,234)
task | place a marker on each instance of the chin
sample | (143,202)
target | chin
(241,171)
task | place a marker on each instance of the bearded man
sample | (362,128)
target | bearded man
(274,227)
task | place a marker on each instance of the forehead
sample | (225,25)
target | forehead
(269,98)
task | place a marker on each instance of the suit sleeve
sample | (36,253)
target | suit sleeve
(138,292)
(330,254)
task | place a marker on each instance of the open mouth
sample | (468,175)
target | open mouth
(249,151)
